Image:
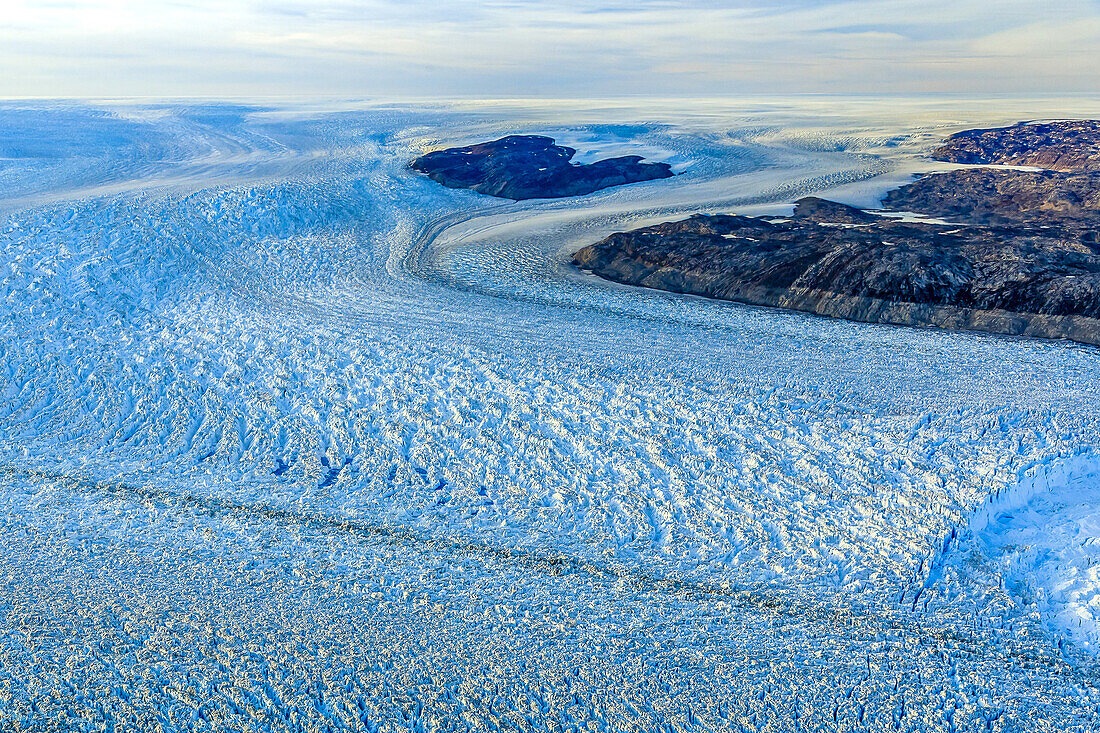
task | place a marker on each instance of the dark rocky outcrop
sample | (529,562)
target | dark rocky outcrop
(824,211)
(993,196)
(1021,256)
(531,166)
(1025,281)
(1072,145)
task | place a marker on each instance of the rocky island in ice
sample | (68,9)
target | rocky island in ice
(531,167)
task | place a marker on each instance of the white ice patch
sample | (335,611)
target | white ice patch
(1003,167)
(592,147)
(912,217)
(1043,536)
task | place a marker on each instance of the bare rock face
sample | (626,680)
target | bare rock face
(991,196)
(1021,256)
(531,166)
(824,211)
(1025,281)
(1061,146)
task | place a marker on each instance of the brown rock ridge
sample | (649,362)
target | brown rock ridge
(1005,197)
(1021,257)
(1071,146)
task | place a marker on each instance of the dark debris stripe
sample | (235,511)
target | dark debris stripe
(966,641)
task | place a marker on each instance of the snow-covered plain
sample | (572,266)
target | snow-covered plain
(293,439)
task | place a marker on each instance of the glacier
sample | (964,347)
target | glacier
(294,439)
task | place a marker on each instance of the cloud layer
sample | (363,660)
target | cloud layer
(553,48)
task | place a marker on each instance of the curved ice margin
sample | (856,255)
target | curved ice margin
(1036,480)
(1065,473)
(1041,536)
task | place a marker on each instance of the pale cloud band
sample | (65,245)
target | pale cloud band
(558,48)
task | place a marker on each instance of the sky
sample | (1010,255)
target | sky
(545,48)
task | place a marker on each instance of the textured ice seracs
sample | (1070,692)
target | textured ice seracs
(330,447)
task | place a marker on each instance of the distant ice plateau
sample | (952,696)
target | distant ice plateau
(293,439)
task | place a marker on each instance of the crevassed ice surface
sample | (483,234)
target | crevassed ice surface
(293,439)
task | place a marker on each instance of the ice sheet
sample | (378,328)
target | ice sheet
(292,435)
